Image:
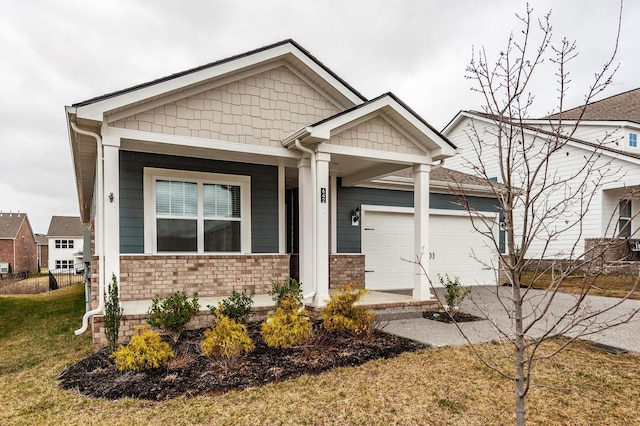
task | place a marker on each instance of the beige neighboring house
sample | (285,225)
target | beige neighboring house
(17,244)
(66,243)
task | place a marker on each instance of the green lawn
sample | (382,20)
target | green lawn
(437,386)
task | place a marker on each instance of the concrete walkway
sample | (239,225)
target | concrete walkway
(485,301)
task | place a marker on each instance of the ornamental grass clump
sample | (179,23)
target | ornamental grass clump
(289,326)
(227,339)
(145,351)
(340,315)
(173,313)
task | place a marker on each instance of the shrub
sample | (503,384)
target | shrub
(289,289)
(112,314)
(454,293)
(341,315)
(145,351)
(237,307)
(173,313)
(227,338)
(289,326)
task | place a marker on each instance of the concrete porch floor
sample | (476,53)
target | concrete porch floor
(377,301)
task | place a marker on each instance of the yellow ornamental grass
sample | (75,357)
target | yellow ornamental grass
(145,351)
(289,326)
(341,315)
(227,338)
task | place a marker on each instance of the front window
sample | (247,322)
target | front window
(624,221)
(199,212)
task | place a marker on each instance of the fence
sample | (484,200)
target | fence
(55,279)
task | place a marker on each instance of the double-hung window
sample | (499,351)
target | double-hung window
(624,220)
(633,140)
(194,212)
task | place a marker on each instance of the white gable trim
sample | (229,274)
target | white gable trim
(96,110)
(619,155)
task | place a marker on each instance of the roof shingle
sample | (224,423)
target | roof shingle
(66,226)
(621,107)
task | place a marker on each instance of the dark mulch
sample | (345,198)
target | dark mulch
(444,316)
(191,373)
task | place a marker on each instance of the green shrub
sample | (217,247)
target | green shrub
(237,307)
(173,313)
(112,314)
(289,326)
(454,293)
(227,338)
(145,351)
(289,289)
(341,315)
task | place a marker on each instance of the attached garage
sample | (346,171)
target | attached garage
(456,248)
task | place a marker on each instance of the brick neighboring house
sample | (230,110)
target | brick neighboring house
(66,242)
(18,248)
(43,250)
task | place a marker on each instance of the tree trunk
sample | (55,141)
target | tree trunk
(519,343)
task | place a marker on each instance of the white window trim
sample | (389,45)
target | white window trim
(151,174)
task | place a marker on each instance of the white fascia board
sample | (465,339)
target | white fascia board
(96,110)
(204,143)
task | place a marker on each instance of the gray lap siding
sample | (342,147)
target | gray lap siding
(348,198)
(264,196)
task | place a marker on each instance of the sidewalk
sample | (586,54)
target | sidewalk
(485,299)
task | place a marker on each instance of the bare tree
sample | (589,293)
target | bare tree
(541,201)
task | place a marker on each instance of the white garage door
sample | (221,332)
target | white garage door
(387,243)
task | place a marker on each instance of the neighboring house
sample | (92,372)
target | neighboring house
(42,242)
(66,243)
(609,127)
(263,166)
(18,251)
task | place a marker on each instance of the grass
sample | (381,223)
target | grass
(438,386)
(604,285)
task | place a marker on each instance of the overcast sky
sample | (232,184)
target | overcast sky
(55,53)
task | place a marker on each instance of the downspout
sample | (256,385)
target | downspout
(99,197)
(437,166)
(314,220)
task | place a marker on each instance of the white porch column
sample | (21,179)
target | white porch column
(305,226)
(322,236)
(111,234)
(421,288)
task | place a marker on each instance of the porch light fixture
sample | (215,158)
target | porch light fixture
(111,197)
(355,217)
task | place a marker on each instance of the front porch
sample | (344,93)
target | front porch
(385,304)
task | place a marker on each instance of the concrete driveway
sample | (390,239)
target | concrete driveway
(486,302)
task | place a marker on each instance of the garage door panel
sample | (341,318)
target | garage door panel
(387,239)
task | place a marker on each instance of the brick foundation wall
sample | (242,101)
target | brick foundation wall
(345,269)
(145,277)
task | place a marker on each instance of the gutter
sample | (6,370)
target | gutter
(314,220)
(99,197)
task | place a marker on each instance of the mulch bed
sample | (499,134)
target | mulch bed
(191,373)
(443,316)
